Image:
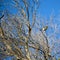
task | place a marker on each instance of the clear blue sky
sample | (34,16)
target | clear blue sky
(48,6)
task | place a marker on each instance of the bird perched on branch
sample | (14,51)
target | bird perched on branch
(45,28)
(23,13)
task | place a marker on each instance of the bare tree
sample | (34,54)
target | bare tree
(20,35)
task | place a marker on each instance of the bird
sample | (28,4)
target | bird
(23,13)
(45,28)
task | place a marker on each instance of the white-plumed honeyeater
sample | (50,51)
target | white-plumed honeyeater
(23,12)
(45,28)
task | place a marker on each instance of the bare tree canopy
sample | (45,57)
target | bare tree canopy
(23,35)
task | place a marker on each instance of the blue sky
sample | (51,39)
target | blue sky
(49,6)
(46,7)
